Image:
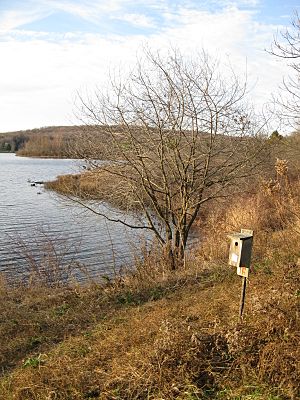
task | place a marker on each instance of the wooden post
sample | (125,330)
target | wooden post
(243,295)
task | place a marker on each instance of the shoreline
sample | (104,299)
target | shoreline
(41,157)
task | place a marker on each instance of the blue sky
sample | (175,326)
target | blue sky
(52,48)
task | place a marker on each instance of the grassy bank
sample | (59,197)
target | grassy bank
(153,334)
(177,340)
(97,184)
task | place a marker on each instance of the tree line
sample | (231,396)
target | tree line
(40,142)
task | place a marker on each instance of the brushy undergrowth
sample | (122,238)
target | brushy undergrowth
(153,334)
(96,184)
(184,343)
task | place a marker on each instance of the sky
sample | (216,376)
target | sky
(52,49)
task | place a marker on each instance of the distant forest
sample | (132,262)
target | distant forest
(52,141)
(85,142)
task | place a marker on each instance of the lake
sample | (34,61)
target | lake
(37,227)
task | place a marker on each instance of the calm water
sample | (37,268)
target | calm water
(36,224)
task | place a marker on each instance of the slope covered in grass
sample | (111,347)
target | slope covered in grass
(181,340)
(159,334)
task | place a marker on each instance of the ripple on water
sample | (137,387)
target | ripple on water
(30,223)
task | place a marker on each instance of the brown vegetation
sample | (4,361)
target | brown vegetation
(52,141)
(184,137)
(12,142)
(97,184)
(153,334)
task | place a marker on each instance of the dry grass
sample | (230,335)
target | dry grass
(97,184)
(185,345)
(151,334)
(85,185)
(273,212)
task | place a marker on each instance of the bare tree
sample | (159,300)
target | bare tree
(174,135)
(286,45)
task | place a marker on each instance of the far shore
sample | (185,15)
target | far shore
(42,156)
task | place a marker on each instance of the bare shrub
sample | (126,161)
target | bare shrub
(176,134)
(45,260)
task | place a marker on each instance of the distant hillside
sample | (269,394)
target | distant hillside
(87,142)
(53,141)
(57,141)
(12,141)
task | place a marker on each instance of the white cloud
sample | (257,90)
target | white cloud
(12,19)
(139,20)
(238,3)
(85,10)
(94,11)
(40,75)
(34,10)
